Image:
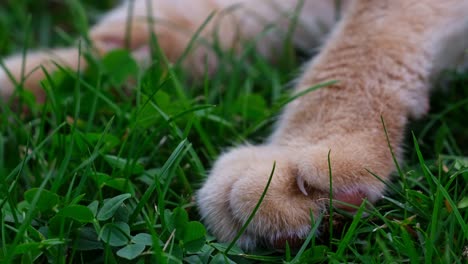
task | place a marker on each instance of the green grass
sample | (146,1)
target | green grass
(102,173)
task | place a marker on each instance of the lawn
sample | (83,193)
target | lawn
(105,170)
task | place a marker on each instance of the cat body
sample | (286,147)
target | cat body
(382,54)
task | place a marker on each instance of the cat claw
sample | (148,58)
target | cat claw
(301,184)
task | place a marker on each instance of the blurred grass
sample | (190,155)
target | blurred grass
(105,173)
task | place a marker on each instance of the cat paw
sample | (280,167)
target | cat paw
(299,191)
(234,188)
(29,71)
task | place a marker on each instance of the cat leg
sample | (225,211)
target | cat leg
(382,56)
(108,34)
(233,23)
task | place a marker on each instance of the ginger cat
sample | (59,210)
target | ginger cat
(383,54)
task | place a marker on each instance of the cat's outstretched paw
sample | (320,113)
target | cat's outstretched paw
(235,186)
(299,190)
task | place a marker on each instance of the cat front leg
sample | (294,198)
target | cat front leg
(113,31)
(229,23)
(382,56)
